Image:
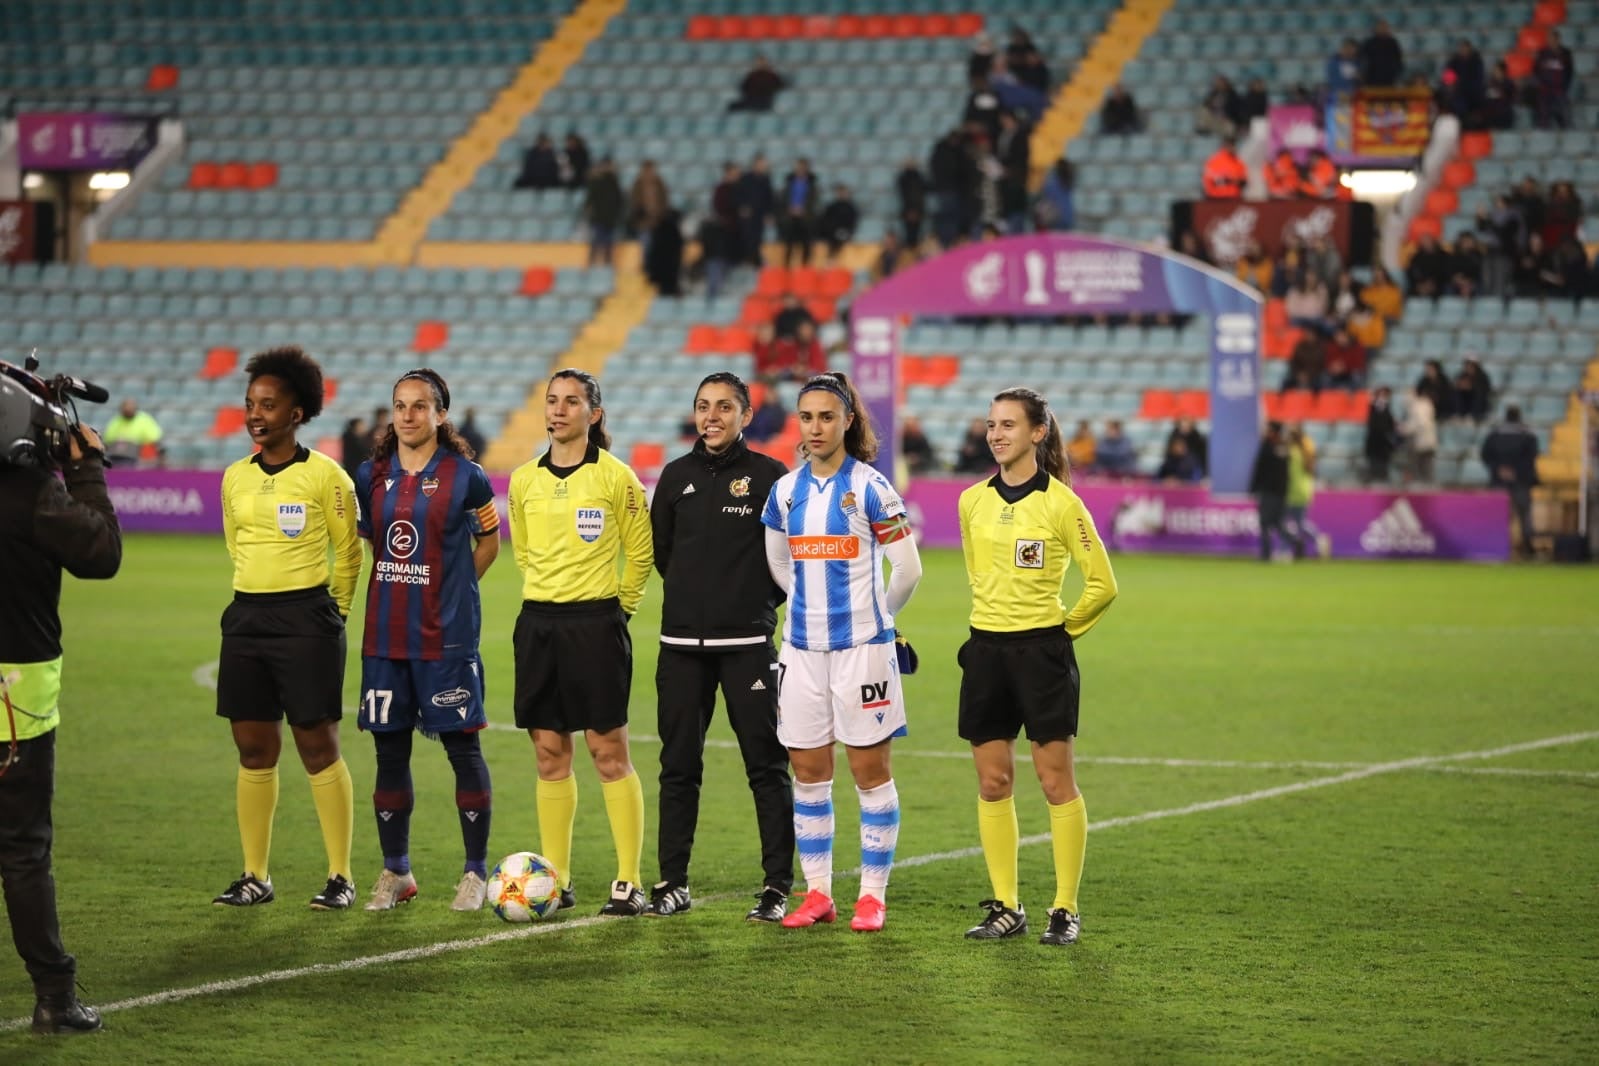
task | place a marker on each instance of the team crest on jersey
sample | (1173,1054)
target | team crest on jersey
(1030,554)
(430,485)
(846,503)
(739,486)
(590,523)
(291,519)
(402,540)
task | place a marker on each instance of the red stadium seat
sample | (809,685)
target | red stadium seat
(702,339)
(1550,13)
(835,283)
(261,176)
(1276,314)
(646,456)
(757,394)
(330,389)
(1273,403)
(821,309)
(913,370)
(1159,405)
(228,421)
(1296,406)
(816,26)
(875,27)
(1330,406)
(536,281)
(233,175)
(848,26)
(203,176)
(1531,38)
(702,28)
(760,27)
(968,24)
(1459,173)
(163,76)
(937,25)
(772,281)
(804,281)
(735,340)
(430,336)
(1359,404)
(1477,144)
(1519,65)
(757,310)
(730,28)
(942,369)
(1441,202)
(788,27)
(1280,342)
(1425,226)
(219,363)
(907,26)
(1193,403)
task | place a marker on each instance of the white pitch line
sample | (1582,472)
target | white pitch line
(176,995)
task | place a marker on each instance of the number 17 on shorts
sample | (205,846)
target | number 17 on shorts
(445,696)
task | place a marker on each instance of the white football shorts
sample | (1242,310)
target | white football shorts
(852,696)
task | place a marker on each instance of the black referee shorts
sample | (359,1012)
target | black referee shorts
(282,657)
(1011,680)
(574,666)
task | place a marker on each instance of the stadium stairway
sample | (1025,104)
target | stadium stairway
(601,337)
(1100,69)
(400,235)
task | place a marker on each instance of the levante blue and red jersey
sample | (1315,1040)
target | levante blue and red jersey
(422,598)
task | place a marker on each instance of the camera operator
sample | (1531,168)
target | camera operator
(47,524)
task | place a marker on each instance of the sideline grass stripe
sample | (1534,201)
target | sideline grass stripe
(537,929)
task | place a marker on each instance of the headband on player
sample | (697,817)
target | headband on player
(826,384)
(433,378)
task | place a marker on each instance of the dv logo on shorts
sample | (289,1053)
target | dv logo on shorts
(874,697)
(1030,554)
(457,698)
(291,519)
(402,540)
(590,523)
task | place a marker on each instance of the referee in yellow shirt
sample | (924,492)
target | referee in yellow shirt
(283,634)
(580,530)
(1019,530)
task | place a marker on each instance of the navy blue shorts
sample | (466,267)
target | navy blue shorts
(445,696)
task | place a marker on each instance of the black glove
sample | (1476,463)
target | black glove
(908,661)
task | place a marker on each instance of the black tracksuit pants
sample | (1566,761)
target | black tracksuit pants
(685,686)
(26,790)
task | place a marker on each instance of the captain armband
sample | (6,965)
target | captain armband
(891,529)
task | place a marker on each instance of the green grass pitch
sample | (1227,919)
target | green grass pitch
(1339,813)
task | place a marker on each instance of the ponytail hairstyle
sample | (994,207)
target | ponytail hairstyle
(591,393)
(387,441)
(1051,451)
(860,439)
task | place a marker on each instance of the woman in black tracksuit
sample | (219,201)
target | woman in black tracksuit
(718,615)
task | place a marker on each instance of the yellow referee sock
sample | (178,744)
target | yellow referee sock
(624,803)
(1068,833)
(557,812)
(257,799)
(996,829)
(334,796)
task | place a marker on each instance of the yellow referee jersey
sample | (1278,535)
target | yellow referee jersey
(1017,554)
(568,532)
(280,522)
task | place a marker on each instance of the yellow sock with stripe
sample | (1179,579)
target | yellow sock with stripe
(334,796)
(624,804)
(1068,834)
(257,800)
(996,829)
(557,812)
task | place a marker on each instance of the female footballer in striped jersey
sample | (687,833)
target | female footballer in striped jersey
(830,523)
(1019,531)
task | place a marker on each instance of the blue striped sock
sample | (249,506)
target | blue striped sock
(813,834)
(879,836)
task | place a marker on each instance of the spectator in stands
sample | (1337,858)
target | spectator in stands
(1345,360)
(1343,69)
(1552,71)
(1571,265)
(1535,273)
(574,161)
(1194,440)
(915,448)
(1221,112)
(1465,81)
(1434,385)
(1119,115)
(1383,296)
(1307,364)
(955,181)
(1056,209)
(540,167)
(1225,175)
(724,208)
(1013,154)
(1301,486)
(1499,99)
(1562,213)
(381,417)
(1510,452)
(1268,483)
(132,436)
(1323,261)
(1429,271)
(472,434)
(1080,450)
(1346,300)
(1465,267)
(799,212)
(647,203)
(1321,177)
(602,211)
(1473,392)
(791,316)
(717,253)
(1255,103)
(1114,455)
(839,219)
(1254,267)
(975,456)
(1179,465)
(1026,63)
(980,61)
(1528,199)
(1283,178)
(355,445)
(911,184)
(663,262)
(1289,266)
(983,108)
(891,256)
(1382,435)
(1501,232)
(756,202)
(769,419)
(1307,302)
(1381,57)
(759,88)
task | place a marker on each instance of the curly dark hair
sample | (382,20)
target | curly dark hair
(301,373)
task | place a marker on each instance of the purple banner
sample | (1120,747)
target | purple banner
(1296,127)
(1050,275)
(82,140)
(1348,524)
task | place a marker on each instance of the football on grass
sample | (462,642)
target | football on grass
(524,887)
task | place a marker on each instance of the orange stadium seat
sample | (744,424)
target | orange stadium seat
(1330,406)
(702,28)
(1276,314)
(757,310)
(430,336)
(1531,38)
(848,26)
(816,26)
(912,370)
(875,27)
(1280,342)
(937,25)
(203,176)
(1425,226)
(1519,65)
(163,76)
(1441,202)
(647,456)
(804,281)
(1549,13)
(730,27)
(219,363)
(1359,404)
(907,26)
(702,339)
(1479,144)
(262,176)
(233,175)
(968,24)
(772,281)
(536,281)
(942,369)
(734,340)
(228,421)
(1193,403)
(836,282)
(1159,404)
(788,27)
(760,26)
(330,389)
(1297,405)
(1273,403)
(1459,173)
(757,394)
(821,309)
